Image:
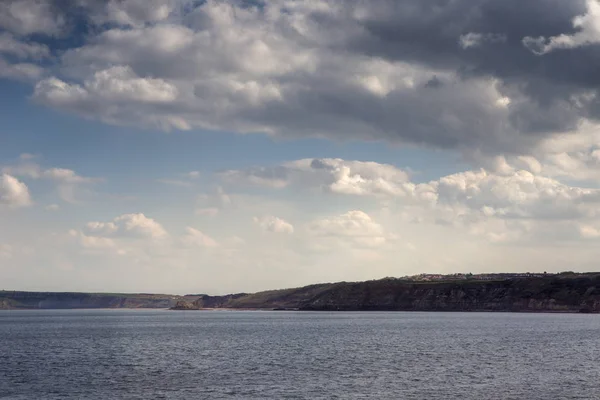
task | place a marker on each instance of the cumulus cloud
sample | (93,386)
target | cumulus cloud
(570,157)
(491,200)
(66,180)
(24,169)
(92,242)
(26,17)
(588,33)
(22,50)
(20,71)
(139,224)
(112,91)
(133,225)
(473,39)
(195,238)
(67,176)
(355,228)
(518,195)
(589,232)
(274,224)
(101,228)
(513,190)
(333,175)
(341,70)
(13,192)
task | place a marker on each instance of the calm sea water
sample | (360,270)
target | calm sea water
(133,354)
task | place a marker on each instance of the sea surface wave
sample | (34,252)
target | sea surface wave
(159,354)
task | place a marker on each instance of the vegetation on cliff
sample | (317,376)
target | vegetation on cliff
(558,293)
(567,292)
(70,300)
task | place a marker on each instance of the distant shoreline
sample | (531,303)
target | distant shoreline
(551,293)
(570,312)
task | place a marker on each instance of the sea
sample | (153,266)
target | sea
(161,354)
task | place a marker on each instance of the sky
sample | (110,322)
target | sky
(183,146)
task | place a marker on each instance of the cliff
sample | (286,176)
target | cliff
(205,302)
(72,300)
(559,293)
(566,292)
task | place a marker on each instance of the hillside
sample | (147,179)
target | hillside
(567,292)
(559,293)
(71,300)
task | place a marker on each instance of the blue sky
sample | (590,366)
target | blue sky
(175,146)
(93,146)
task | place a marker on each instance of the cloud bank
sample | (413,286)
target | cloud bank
(491,80)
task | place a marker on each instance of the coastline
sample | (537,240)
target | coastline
(561,293)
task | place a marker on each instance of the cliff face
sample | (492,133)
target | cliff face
(573,293)
(513,295)
(203,302)
(49,300)
(560,293)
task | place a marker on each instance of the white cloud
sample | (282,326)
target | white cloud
(473,39)
(274,224)
(12,46)
(13,192)
(24,169)
(52,207)
(571,156)
(355,227)
(519,195)
(93,242)
(589,232)
(101,228)
(500,203)
(26,17)
(248,68)
(67,181)
(588,33)
(274,177)
(121,84)
(363,178)
(133,225)
(20,71)
(195,238)
(116,84)
(322,69)
(67,176)
(332,174)
(505,191)
(140,225)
